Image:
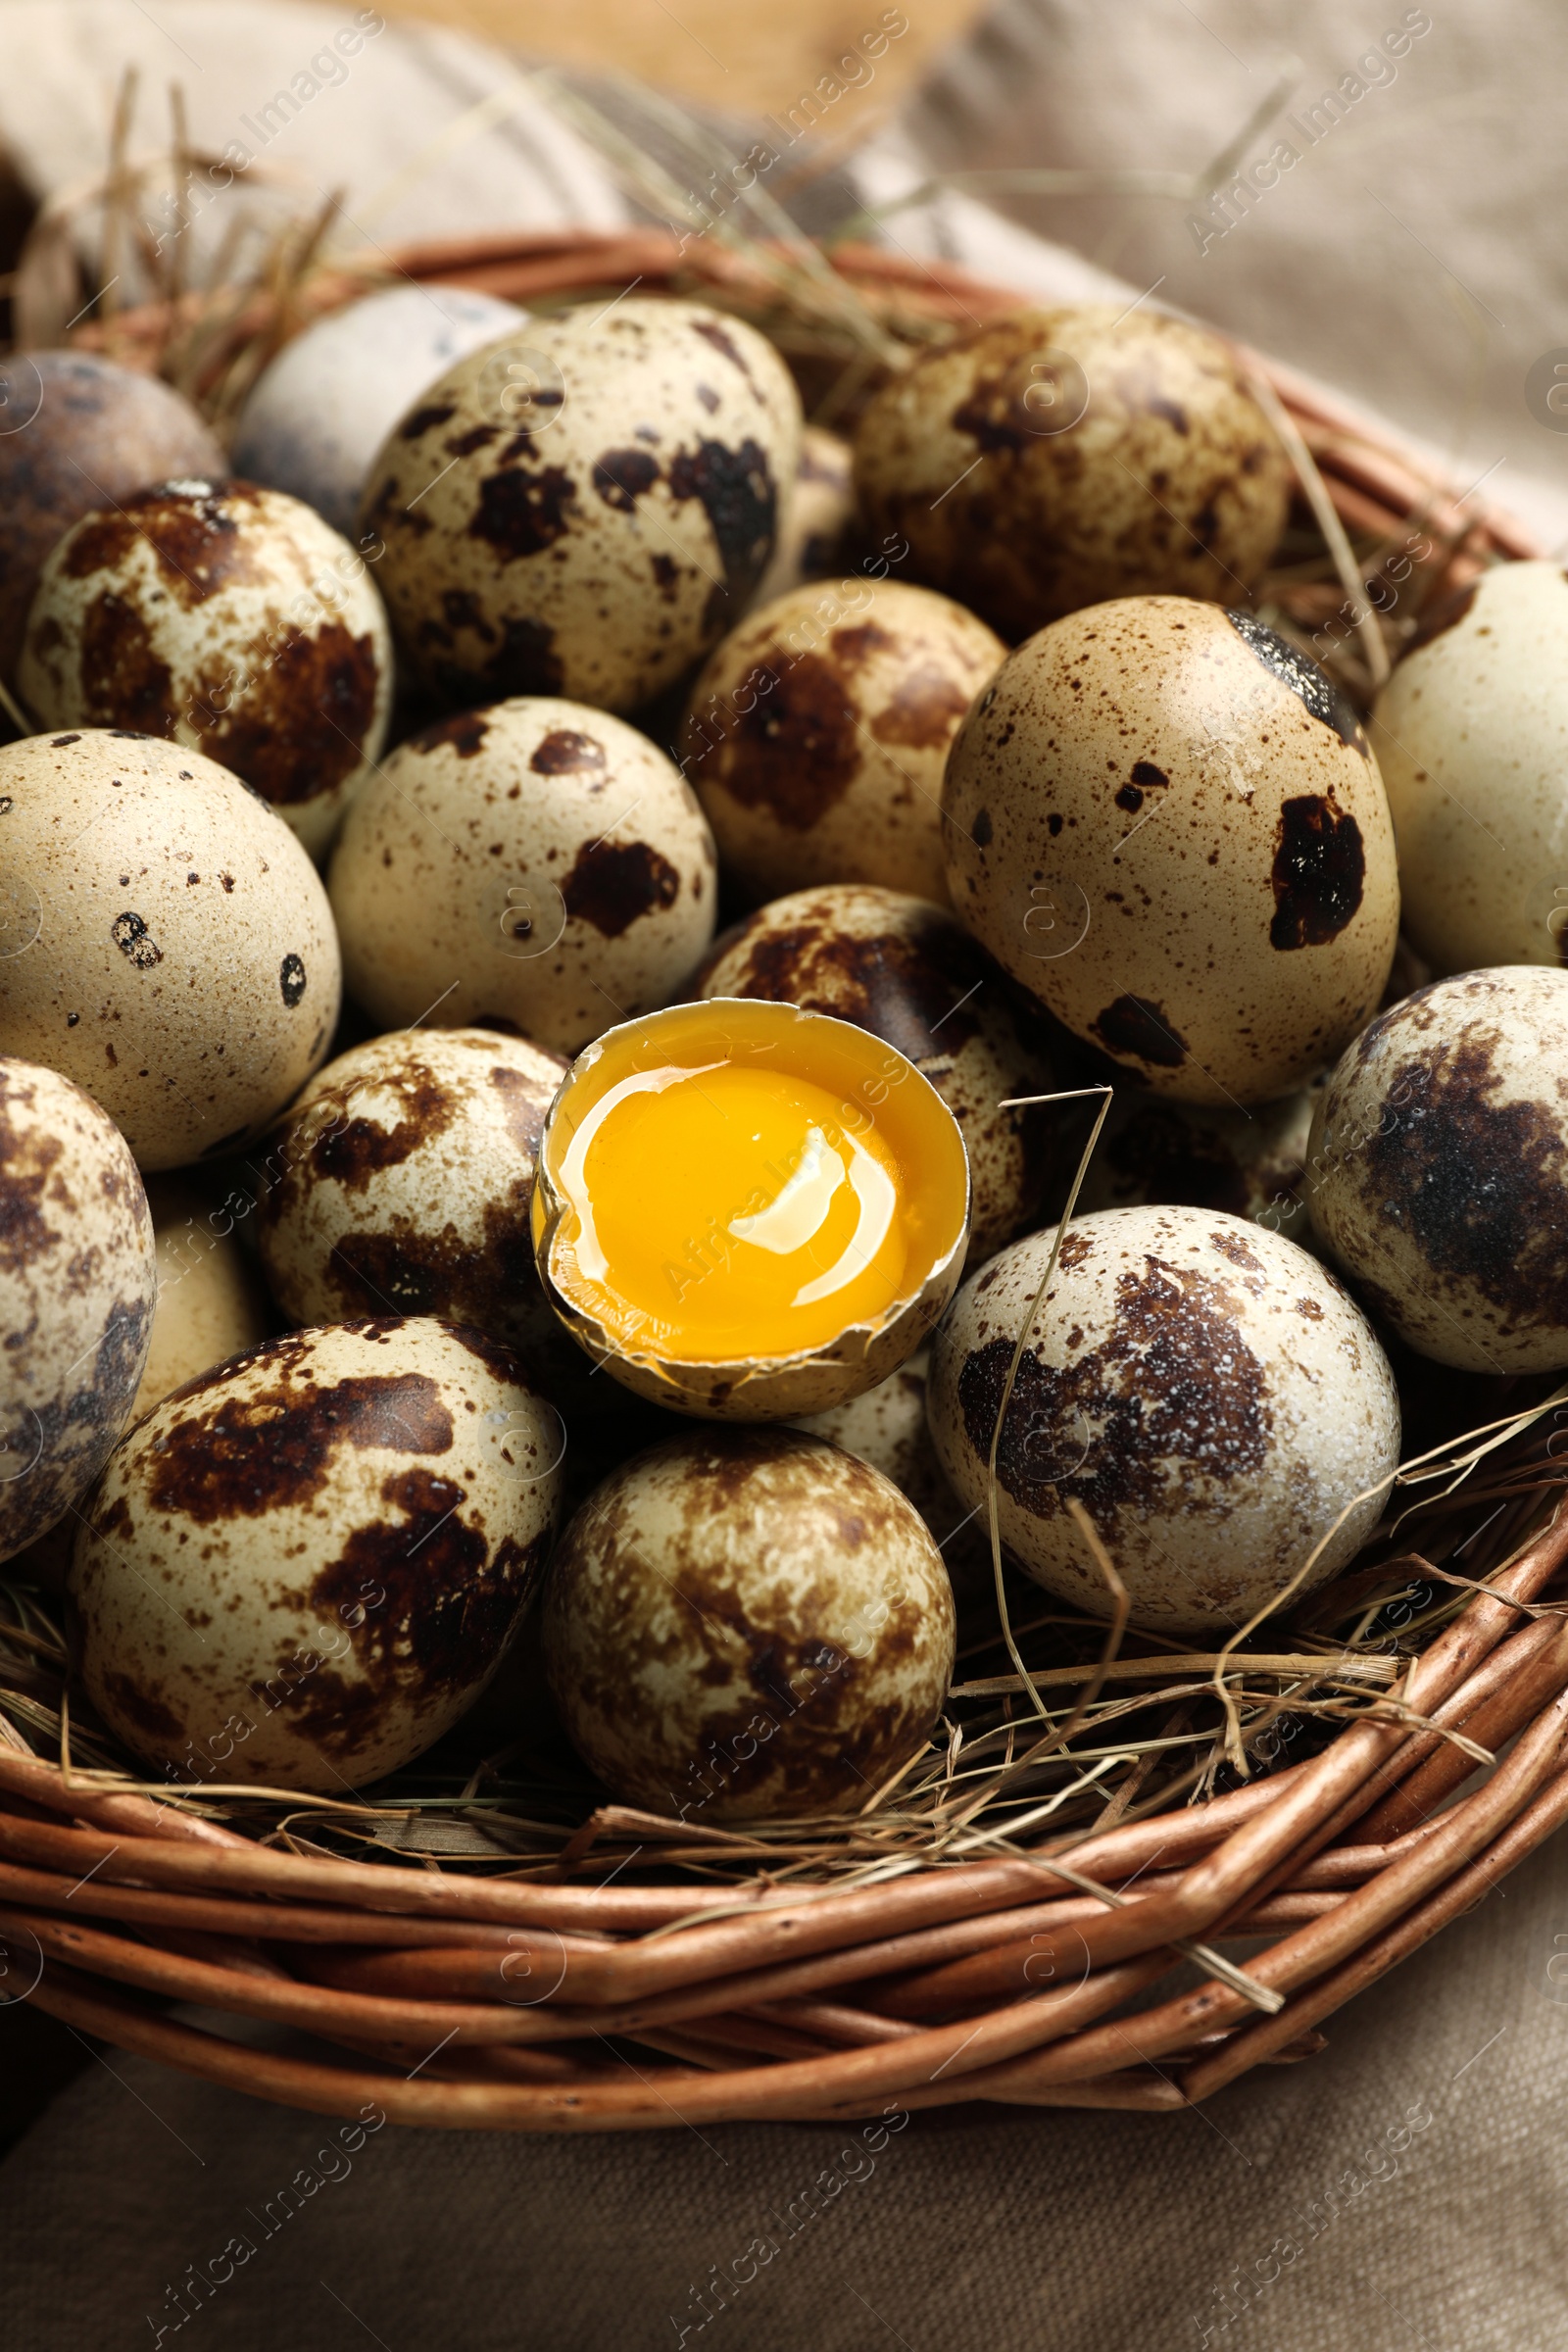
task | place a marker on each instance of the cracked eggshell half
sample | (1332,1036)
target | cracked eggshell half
(748,1623)
(77,1282)
(169,945)
(1438,1169)
(696,1219)
(819,731)
(303,1566)
(586,507)
(232,621)
(1165,823)
(1207,1390)
(540,866)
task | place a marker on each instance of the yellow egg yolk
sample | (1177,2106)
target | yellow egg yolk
(729,1210)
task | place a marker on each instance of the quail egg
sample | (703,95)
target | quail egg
(748,1623)
(211,1302)
(230,619)
(584,508)
(1250,1162)
(1207,1390)
(1165,821)
(816,518)
(539,866)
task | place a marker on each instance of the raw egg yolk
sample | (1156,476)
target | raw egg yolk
(729,1211)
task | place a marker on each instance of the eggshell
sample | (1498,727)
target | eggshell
(746,1624)
(909,972)
(234,621)
(1250,1162)
(888,1428)
(817,515)
(303,1566)
(540,866)
(401,1182)
(1052,459)
(78,1280)
(1203,1388)
(1438,1171)
(817,734)
(79,432)
(319,412)
(1471,737)
(211,1301)
(1166,822)
(167,941)
(584,509)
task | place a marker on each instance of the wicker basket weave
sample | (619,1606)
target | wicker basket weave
(512,2002)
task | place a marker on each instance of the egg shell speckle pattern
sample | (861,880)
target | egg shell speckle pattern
(539,865)
(817,734)
(1207,1390)
(81,431)
(747,1624)
(1052,459)
(302,1567)
(909,972)
(1166,822)
(404,1185)
(173,946)
(585,508)
(817,514)
(230,619)
(211,1301)
(1471,737)
(318,415)
(78,1282)
(1438,1169)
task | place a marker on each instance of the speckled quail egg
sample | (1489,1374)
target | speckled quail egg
(586,507)
(79,432)
(1166,822)
(402,1180)
(817,515)
(1472,737)
(320,411)
(303,1566)
(78,1281)
(1203,1388)
(1438,1169)
(1250,1162)
(746,1623)
(539,866)
(817,734)
(1052,459)
(230,619)
(210,1301)
(164,940)
(911,974)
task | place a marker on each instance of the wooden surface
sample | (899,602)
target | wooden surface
(749,56)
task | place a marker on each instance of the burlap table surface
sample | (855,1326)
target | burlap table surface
(1406,2187)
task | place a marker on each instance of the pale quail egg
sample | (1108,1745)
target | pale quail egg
(211,1301)
(1155,1152)
(817,515)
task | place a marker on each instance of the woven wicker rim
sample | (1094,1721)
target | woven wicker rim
(491,2003)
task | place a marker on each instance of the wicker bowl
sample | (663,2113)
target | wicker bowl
(1086,1969)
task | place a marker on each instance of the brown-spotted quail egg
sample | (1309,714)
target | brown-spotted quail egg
(746,1623)
(911,974)
(585,508)
(1055,458)
(78,1281)
(81,432)
(1471,737)
(1166,822)
(320,412)
(1206,1391)
(402,1180)
(232,620)
(211,1301)
(538,866)
(164,940)
(302,1567)
(817,734)
(1438,1169)
(816,518)
(1251,1162)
